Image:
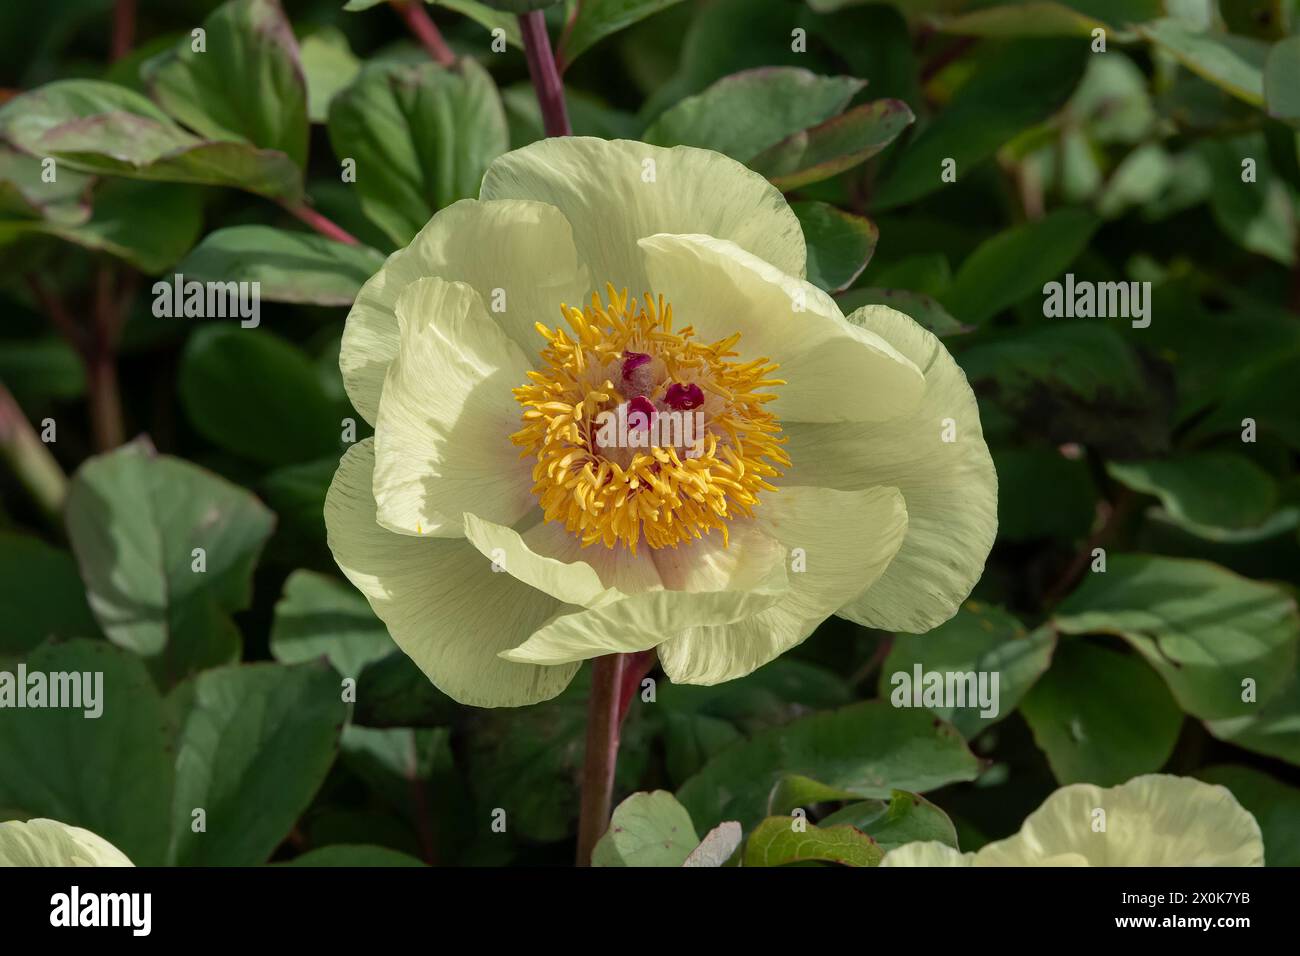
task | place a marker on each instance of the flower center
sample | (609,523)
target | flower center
(640,432)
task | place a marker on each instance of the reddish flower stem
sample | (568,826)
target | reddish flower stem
(108,318)
(634,670)
(545,76)
(123,29)
(423,28)
(615,680)
(601,755)
(96,347)
(321,224)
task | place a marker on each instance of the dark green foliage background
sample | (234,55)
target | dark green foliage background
(222,689)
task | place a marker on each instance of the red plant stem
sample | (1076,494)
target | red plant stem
(615,680)
(96,349)
(123,29)
(545,76)
(57,312)
(322,225)
(602,752)
(420,798)
(635,669)
(425,30)
(1112,516)
(101,364)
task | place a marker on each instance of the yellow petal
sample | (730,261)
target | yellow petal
(615,192)
(51,843)
(1153,820)
(838,542)
(835,372)
(440,599)
(950,486)
(442,442)
(518,256)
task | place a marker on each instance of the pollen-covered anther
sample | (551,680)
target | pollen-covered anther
(641,433)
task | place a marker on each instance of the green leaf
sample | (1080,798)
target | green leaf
(1274,805)
(872,41)
(745,113)
(979,639)
(1202,628)
(923,309)
(797,791)
(393,692)
(1113,101)
(1088,739)
(134,519)
(588,116)
(647,829)
(1033,19)
(41,370)
(1259,216)
(1015,87)
(480,13)
(776,842)
(840,244)
(1282,80)
(1265,392)
(148,225)
(392,759)
(246,85)
(352,855)
(101,128)
(1232,63)
(1015,264)
(257,395)
(111,774)
(328,66)
(1043,494)
(290,266)
(41,595)
(904,818)
(528,760)
(1273,726)
(595,21)
(24,194)
(296,493)
(422,137)
(699,722)
(520,6)
(1073,382)
(867,749)
(320,616)
(1191,489)
(829,148)
(928,272)
(1046,18)
(255,743)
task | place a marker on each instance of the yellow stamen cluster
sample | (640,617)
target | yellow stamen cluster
(659,494)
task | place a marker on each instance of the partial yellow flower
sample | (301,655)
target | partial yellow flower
(1153,820)
(612,415)
(51,843)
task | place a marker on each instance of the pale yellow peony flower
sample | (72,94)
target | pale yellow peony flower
(503,538)
(1154,820)
(51,843)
